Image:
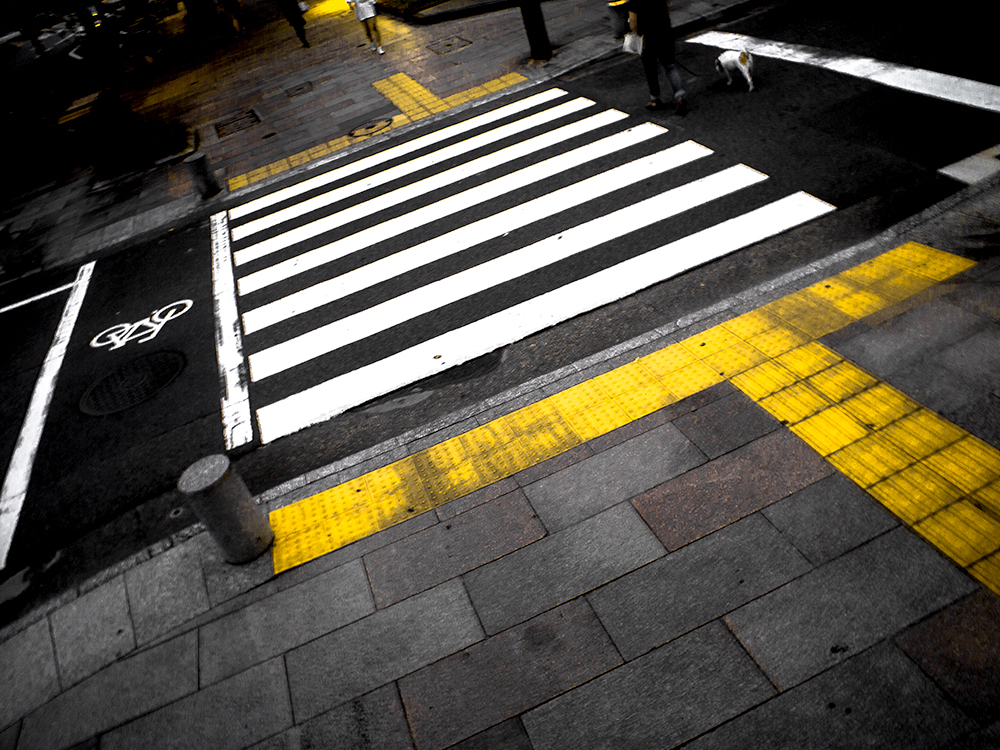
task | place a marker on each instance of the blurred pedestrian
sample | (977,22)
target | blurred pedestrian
(651,20)
(294,11)
(364,10)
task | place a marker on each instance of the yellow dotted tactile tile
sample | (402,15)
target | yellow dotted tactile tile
(414,102)
(937,478)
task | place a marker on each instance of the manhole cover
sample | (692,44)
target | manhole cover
(302,88)
(370,128)
(237,123)
(132,383)
(448,44)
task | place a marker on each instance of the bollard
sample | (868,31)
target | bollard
(222,502)
(201,175)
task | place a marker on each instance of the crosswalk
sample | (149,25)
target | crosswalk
(394,266)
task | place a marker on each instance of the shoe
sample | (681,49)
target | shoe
(372,47)
(381,51)
(654,104)
(681,107)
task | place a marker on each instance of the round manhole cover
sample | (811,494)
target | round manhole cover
(132,383)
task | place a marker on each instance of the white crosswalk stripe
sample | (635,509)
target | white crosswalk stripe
(399,264)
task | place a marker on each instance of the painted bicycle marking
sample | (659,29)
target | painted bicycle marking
(143,330)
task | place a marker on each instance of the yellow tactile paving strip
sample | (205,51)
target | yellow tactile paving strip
(413,101)
(937,478)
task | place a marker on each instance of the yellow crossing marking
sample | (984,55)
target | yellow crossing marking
(936,477)
(412,100)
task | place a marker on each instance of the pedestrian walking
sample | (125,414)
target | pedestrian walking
(364,10)
(294,11)
(651,20)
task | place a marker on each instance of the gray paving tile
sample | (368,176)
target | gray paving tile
(696,584)
(283,621)
(876,699)
(977,358)
(225,581)
(959,648)
(726,424)
(372,722)
(381,648)
(507,674)
(29,677)
(561,567)
(8,737)
(660,700)
(906,339)
(507,735)
(984,739)
(846,606)
(121,692)
(234,713)
(92,631)
(730,487)
(828,518)
(166,591)
(588,487)
(451,548)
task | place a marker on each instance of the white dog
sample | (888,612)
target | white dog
(731,60)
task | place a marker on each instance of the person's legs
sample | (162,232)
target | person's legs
(651,67)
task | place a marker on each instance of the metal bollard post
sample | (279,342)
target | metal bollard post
(222,502)
(201,175)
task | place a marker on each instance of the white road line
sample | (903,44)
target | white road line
(37,297)
(914,80)
(395,152)
(427,186)
(445,207)
(475,233)
(577,239)
(15,486)
(236,425)
(328,399)
(394,173)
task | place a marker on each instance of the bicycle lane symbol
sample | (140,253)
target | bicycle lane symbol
(143,330)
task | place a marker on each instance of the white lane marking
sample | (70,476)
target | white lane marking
(915,80)
(396,152)
(394,173)
(237,428)
(37,297)
(518,263)
(428,186)
(333,397)
(477,232)
(445,207)
(15,486)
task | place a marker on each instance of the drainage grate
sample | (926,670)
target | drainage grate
(237,123)
(370,128)
(448,44)
(302,88)
(132,383)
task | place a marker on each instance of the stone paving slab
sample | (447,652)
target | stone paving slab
(29,677)
(233,714)
(611,476)
(506,675)
(166,591)
(283,621)
(662,699)
(380,648)
(123,691)
(92,631)
(844,607)
(828,518)
(735,485)
(696,584)
(959,648)
(877,699)
(560,567)
(449,549)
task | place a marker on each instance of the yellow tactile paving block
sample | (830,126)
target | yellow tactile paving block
(930,473)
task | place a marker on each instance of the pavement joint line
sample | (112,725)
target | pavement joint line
(772,354)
